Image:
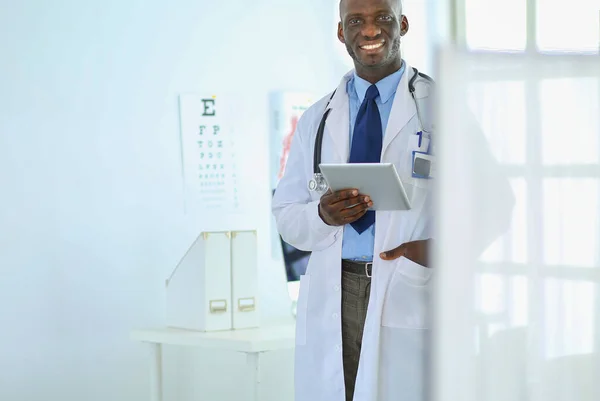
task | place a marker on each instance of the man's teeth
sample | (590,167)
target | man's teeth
(371,47)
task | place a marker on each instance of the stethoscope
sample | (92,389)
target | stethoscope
(318,182)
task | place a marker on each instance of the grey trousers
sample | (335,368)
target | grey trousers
(355,300)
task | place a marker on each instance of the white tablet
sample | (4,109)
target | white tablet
(380,181)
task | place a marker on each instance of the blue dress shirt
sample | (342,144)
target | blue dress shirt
(357,246)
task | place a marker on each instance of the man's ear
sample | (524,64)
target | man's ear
(404,25)
(340,33)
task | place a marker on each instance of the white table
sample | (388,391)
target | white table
(252,342)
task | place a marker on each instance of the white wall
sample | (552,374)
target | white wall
(91,216)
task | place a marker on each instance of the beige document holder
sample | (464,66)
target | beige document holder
(244,268)
(199,290)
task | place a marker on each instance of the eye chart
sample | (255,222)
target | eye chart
(208,150)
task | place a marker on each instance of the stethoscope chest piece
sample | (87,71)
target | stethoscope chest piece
(317,184)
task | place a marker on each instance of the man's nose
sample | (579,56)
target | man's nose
(371,30)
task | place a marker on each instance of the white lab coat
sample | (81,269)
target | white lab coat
(394,350)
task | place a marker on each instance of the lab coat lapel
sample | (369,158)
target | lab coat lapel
(403,109)
(338,121)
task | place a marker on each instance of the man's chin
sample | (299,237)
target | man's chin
(372,62)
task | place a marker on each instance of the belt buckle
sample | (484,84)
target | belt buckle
(367,268)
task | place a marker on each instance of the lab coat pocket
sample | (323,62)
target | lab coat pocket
(302,310)
(417,194)
(406,304)
(421,185)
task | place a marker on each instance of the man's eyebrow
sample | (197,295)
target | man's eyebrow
(377,12)
(354,15)
(384,11)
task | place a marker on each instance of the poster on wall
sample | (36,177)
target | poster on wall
(286,108)
(208,151)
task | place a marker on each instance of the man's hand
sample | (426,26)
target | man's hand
(417,251)
(343,207)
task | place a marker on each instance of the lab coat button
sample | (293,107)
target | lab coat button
(336,288)
(335,316)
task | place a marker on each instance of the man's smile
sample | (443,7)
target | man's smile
(372,47)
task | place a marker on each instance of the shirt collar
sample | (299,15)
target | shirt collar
(386,87)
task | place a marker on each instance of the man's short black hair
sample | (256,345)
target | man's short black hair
(398,3)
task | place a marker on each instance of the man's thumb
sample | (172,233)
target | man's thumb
(394,253)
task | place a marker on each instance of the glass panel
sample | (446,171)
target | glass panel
(518,228)
(495,328)
(570,123)
(519,301)
(491,294)
(568,26)
(491,103)
(496,25)
(569,317)
(542,331)
(570,215)
(512,246)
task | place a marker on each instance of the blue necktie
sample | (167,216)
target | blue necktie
(366,144)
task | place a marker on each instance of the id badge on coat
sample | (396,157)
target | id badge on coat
(423,163)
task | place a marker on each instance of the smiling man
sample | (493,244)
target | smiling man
(375,46)
(362,316)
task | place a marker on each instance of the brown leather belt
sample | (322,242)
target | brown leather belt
(355,267)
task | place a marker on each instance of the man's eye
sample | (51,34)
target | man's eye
(386,18)
(354,21)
